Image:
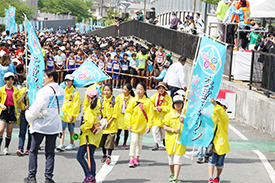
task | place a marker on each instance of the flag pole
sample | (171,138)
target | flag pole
(26,45)
(188,91)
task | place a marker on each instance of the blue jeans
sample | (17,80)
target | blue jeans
(217,160)
(49,153)
(24,126)
(200,153)
(70,126)
(82,161)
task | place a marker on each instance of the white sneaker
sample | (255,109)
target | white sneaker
(60,148)
(6,151)
(70,147)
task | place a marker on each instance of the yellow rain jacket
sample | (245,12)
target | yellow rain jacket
(71,106)
(86,103)
(3,97)
(173,121)
(22,104)
(166,107)
(109,111)
(220,118)
(120,117)
(90,118)
(134,116)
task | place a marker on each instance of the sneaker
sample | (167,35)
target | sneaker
(200,160)
(175,181)
(19,152)
(216,180)
(116,143)
(149,87)
(108,161)
(206,159)
(210,180)
(60,148)
(30,180)
(103,159)
(136,161)
(131,163)
(125,147)
(6,151)
(155,148)
(48,180)
(171,178)
(70,147)
(27,152)
(90,179)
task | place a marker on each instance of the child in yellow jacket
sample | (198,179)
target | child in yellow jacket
(139,119)
(70,111)
(162,105)
(99,87)
(109,107)
(24,104)
(90,118)
(8,109)
(123,101)
(171,126)
(221,143)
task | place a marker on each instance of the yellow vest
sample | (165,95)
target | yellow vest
(71,106)
(134,116)
(15,96)
(90,118)
(120,117)
(22,104)
(220,118)
(166,107)
(110,111)
(173,121)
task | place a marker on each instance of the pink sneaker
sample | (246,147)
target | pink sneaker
(211,180)
(216,180)
(136,161)
(131,163)
(125,147)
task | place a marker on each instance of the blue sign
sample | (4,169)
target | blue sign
(198,128)
(36,65)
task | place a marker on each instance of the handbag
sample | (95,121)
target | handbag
(210,147)
(98,126)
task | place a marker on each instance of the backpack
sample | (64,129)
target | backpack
(112,102)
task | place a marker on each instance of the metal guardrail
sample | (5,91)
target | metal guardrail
(262,72)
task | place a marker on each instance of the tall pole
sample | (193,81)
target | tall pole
(144,8)
(194,9)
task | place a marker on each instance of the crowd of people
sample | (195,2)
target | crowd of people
(56,109)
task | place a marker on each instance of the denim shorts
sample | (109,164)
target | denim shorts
(217,160)
(115,76)
(70,126)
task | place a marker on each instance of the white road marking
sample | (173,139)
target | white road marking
(261,156)
(105,170)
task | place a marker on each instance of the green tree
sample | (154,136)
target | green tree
(210,1)
(78,8)
(21,8)
(110,19)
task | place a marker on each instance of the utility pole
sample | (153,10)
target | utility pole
(194,9)
(101,8)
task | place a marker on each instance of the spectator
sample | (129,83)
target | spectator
(254,38)
(191,28)
(175,76)
(221,11)
(153,16)
(199,23)
(174,21)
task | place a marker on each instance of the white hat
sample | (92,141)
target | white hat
(69,77)
(62,48)
(4,33)
(8,74)
(180,92)
(223,102)
(177,98)
(2,52)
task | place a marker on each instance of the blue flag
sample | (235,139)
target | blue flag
(7,19)
(87,74)
(41,26)
(20,27)
(198,126)
(12,27)
(36,66)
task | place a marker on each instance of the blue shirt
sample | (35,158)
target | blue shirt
(161,75)
(134,63)
(109,65)
(116,66)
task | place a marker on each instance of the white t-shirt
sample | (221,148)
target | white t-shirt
(58,60)
(46,100)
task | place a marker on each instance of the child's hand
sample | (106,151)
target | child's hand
(148,130)
(177,130)
(71,119)
(3,107)
(212,101)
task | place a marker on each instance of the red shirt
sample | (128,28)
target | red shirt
(20,53)
(9,99)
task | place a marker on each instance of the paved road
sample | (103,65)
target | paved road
(242,164)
